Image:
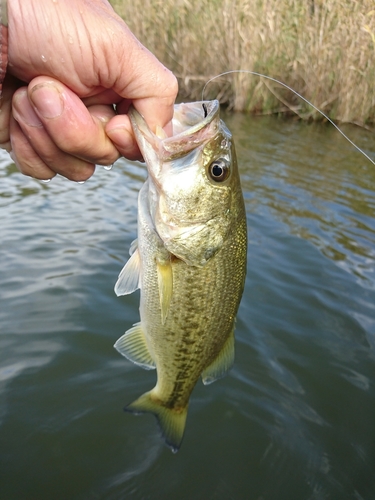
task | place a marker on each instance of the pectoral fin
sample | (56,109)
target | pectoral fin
(128,280)
(165,284)
(222,364)
(133,346)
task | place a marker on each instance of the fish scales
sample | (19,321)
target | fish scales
(209,306)
(189,261)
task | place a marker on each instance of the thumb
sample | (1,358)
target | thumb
(151,88)
(146,83)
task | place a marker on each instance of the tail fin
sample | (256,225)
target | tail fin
(171,422)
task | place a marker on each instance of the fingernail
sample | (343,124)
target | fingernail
(23,112)
(47,100)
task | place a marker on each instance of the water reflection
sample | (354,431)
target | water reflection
(295,417)
(317,184)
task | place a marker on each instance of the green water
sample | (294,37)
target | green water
(295,418)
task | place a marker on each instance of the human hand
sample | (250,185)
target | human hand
(78,59)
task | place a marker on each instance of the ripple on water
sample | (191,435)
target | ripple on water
(295,415)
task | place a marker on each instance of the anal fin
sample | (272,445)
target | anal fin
(133,346)
(222,364)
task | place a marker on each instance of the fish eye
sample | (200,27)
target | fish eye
(219,170)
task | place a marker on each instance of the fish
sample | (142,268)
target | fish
(189,261)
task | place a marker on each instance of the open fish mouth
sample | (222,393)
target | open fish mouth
(193,124)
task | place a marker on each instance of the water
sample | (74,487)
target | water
(295,418)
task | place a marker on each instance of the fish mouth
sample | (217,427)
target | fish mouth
(193,124)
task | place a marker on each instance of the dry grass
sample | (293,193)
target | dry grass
(324,49)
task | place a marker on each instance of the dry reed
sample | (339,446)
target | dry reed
(324,49)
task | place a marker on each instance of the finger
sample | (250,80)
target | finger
(120,131)
(10,85)
(69,122)
(25,158)
(4,122)
(104,97)
(45,152)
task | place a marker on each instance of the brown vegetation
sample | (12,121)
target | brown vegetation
(324,49)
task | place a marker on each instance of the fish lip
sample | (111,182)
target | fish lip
(210,108)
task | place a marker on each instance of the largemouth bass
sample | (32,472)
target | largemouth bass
(189,261)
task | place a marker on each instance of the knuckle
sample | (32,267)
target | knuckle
(78,173)
(108,159)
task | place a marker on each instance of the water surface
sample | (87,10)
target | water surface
(295,418)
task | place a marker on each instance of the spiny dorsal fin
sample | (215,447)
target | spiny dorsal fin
(222,364)
(128,280)
(133,346)
(171,421)
(165,284)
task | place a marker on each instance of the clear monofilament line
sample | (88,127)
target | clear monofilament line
(297,94)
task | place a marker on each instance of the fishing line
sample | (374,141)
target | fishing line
(294,92)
